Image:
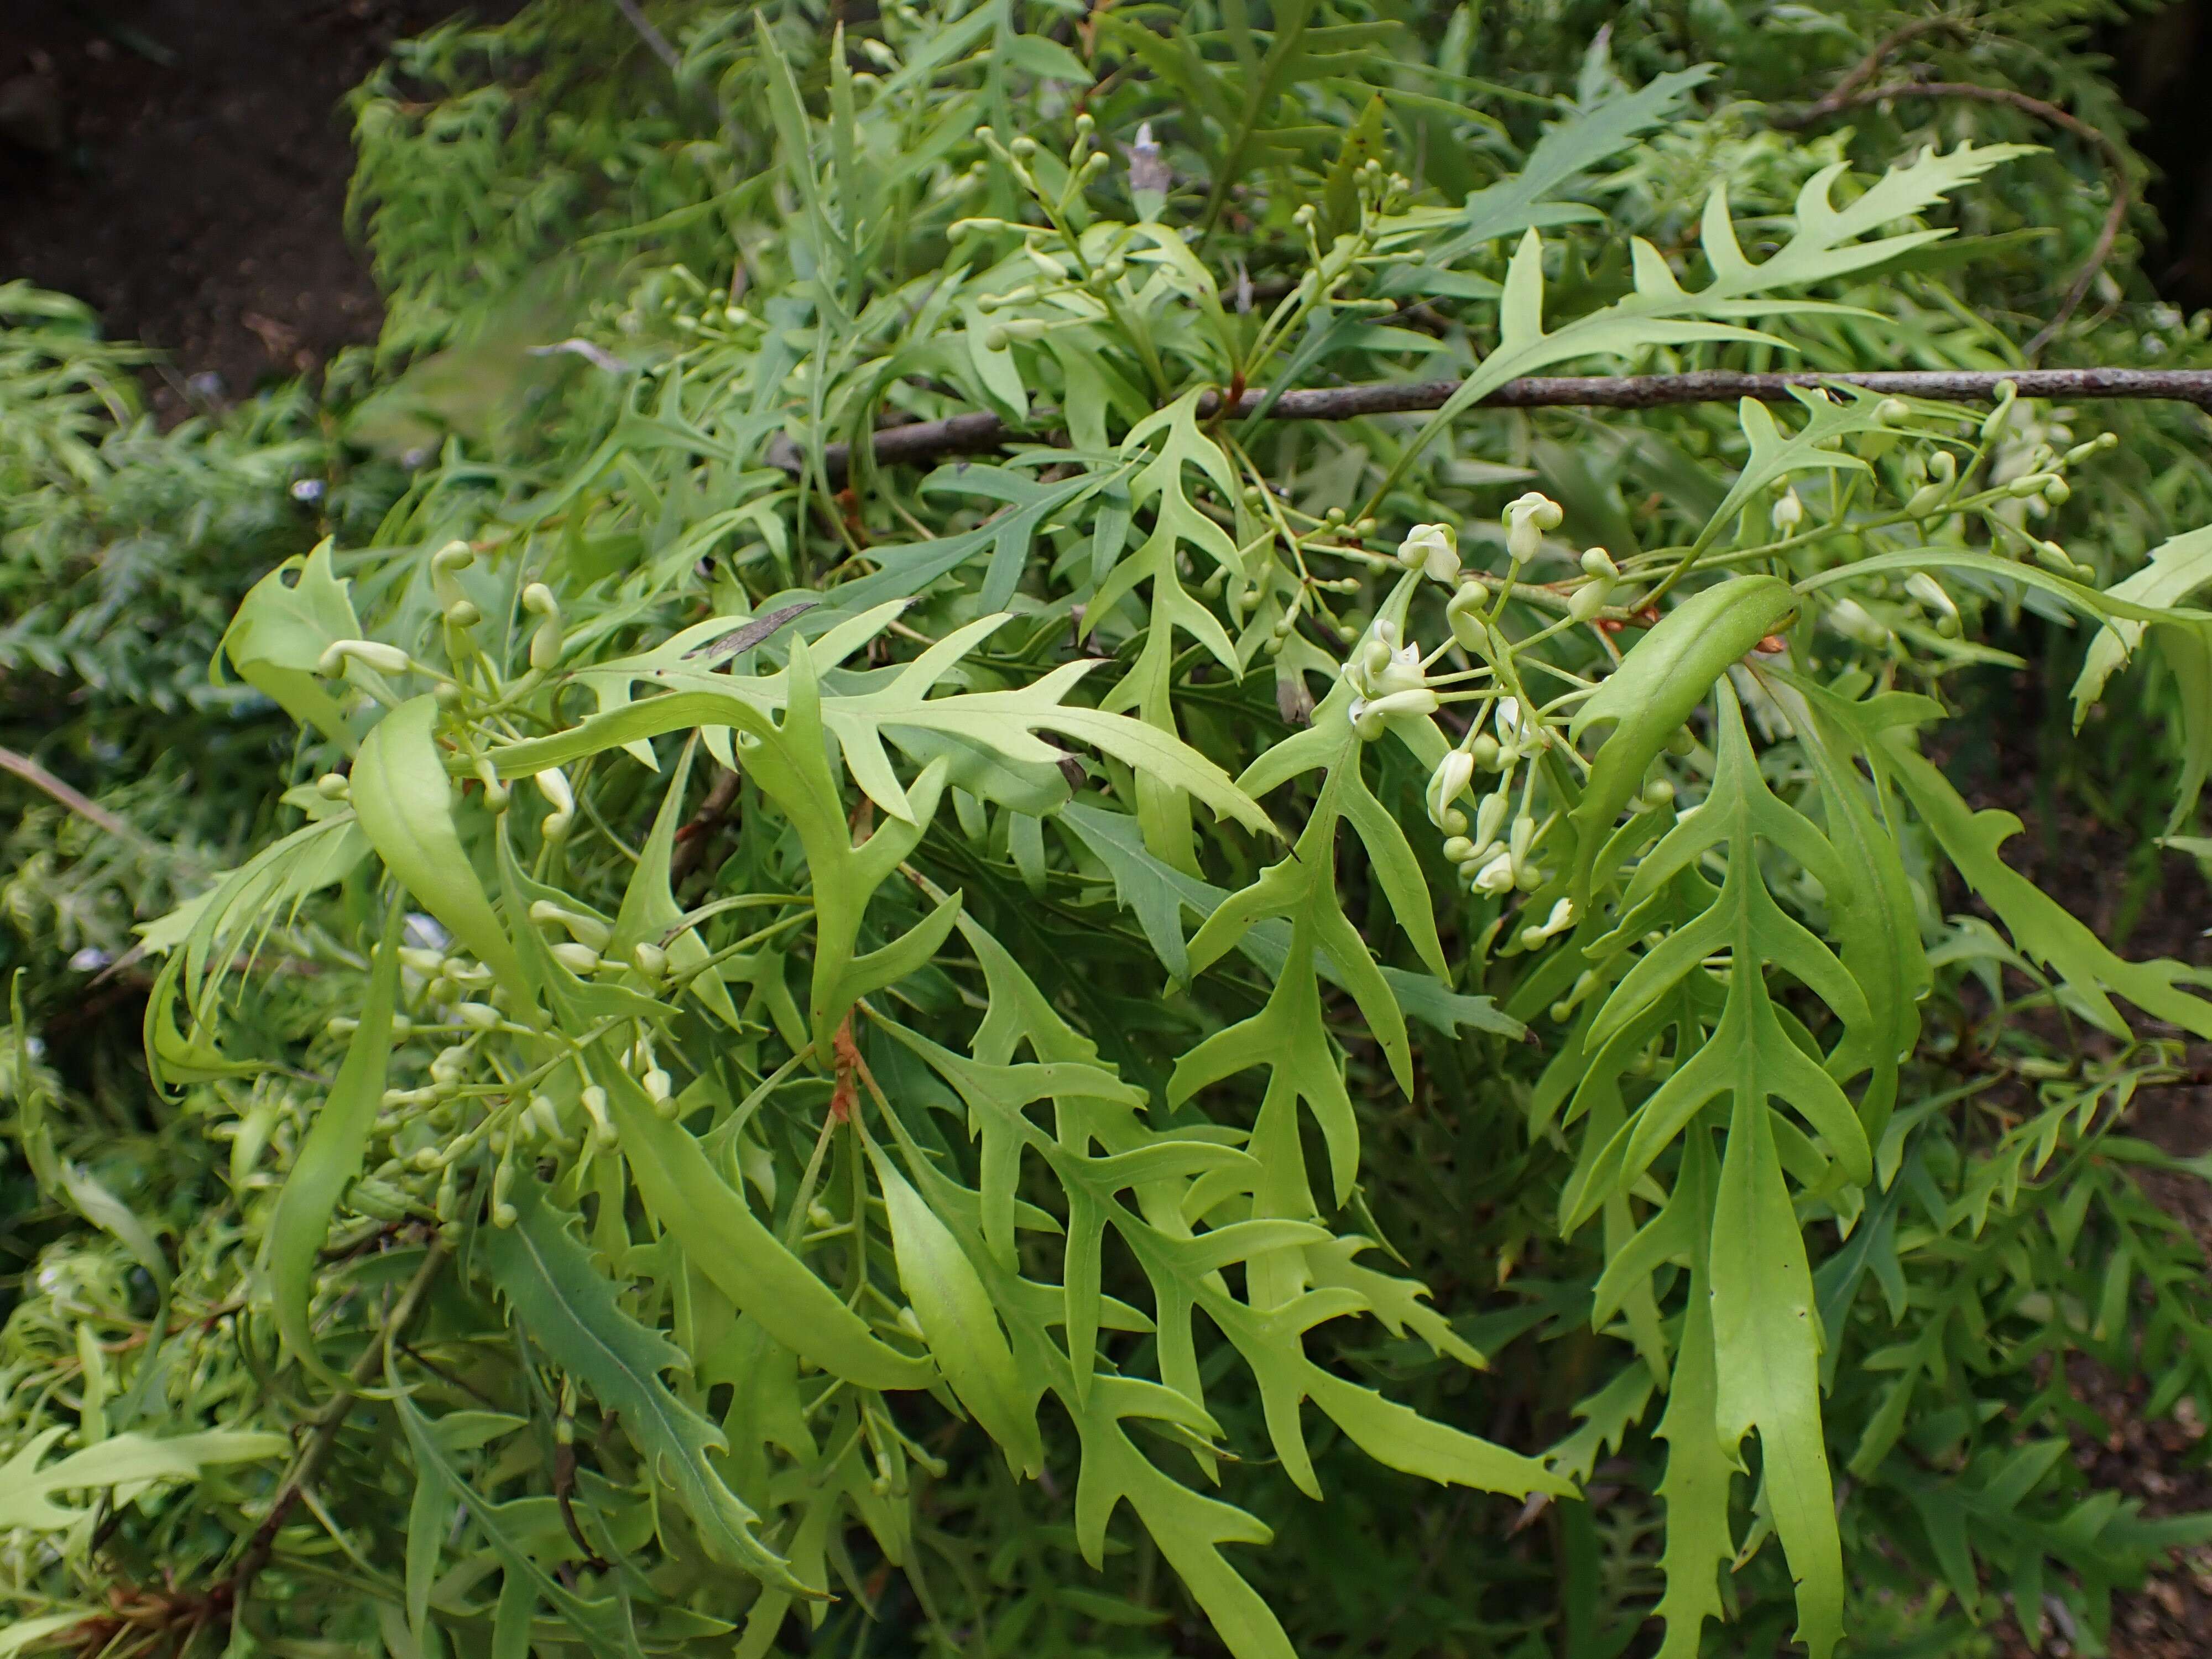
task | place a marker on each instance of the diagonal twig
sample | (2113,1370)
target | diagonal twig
(84,805)
(653,38)
(1839,95)
(981,432)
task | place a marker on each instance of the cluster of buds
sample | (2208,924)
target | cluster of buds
(1490,866)
(1433,548)
(582,953)
(437,980)
(1387,679)
(1492,857)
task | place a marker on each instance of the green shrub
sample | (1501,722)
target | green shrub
(787,985)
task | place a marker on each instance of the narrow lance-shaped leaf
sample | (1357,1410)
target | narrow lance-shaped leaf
(572,1312)
(330,1155)
(958,1323)
(711,1224)
(405,802)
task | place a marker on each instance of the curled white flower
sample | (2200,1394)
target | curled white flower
(1514,727)
(1496,876)
(1433,550)
(1402,672)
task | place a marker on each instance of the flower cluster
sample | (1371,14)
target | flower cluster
(1387,678)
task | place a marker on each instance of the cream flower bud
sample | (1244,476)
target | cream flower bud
(385,658)
(579,959)
(1433,550)
(1490,817)
(603,1134)
(2053,556)
(1930,593)
(1996,420)
(1396,704)
(546,641)
(1463,616)
(1449,781)
(1851,619)
(1496,876)
(585,930)
(446,566)
(1926,499)
(553,784)
(1586,601)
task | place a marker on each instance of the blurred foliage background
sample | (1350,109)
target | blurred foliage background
(544,198)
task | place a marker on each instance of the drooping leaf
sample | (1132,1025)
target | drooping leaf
(569,1309)
(330,1157)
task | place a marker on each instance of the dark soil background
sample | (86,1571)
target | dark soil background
(180,165)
